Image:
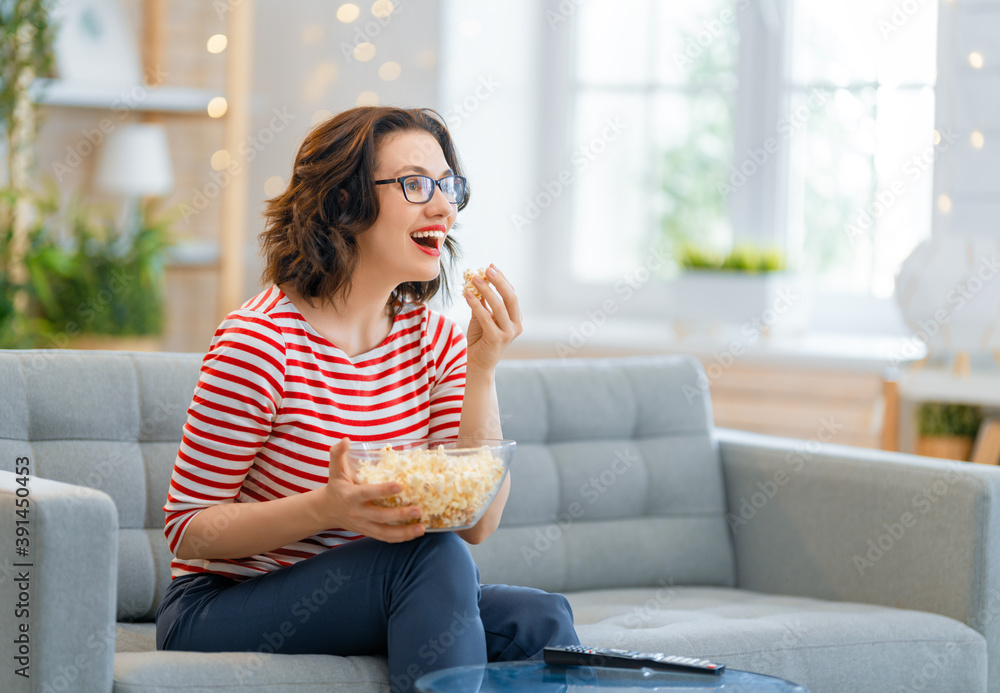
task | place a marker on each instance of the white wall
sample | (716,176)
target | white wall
(489,97)
(968,100)
(300,69)
(488,103)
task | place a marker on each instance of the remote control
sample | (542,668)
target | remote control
(627,659)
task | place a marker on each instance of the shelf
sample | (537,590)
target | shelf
(105,96)
(193,255)
(943,386)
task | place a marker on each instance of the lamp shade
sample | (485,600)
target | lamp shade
(135,161)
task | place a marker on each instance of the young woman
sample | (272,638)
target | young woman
(276,549)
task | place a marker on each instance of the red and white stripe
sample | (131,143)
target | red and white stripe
(274,396)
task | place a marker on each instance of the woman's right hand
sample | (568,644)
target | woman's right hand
(345,504)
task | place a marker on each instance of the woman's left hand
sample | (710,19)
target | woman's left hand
(496,320)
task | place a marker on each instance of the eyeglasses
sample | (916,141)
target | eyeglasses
(420,189)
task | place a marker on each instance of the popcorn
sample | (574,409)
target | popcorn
(451,489)
(469,276)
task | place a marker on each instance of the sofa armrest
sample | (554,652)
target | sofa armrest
(852,524)
(68,617)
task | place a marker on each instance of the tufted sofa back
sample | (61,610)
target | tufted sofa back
(111,421)
(616,480)
(615,460)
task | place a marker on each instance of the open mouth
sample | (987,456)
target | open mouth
(428,239)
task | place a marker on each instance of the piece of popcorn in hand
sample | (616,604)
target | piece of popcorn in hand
(469,275)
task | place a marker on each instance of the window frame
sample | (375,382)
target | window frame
(758,209)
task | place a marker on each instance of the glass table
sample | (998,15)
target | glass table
(538,677)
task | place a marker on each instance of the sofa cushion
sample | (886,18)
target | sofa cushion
(828,647)
(633,552)
(80,396)
(135,637)
(112,422)
(616,480)
(238,672)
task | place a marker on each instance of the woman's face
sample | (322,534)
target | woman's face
(389,245)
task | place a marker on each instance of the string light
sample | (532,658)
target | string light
(363,52)
(217,43)
(220,160)
(382,8)
(389,71)
(348,12)
(217,107)
(274,185)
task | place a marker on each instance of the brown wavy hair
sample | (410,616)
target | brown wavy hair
(310,231)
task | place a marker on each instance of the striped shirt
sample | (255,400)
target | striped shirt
(274,396)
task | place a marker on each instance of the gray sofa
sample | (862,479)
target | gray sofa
(841,569)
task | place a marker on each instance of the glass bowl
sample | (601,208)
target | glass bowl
(452,480)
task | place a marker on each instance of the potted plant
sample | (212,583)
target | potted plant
(105,289)
(21,326)
(26,40)
(947,430)
(749,286)
(58,288)
(90,286)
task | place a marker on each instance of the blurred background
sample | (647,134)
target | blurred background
(803,194)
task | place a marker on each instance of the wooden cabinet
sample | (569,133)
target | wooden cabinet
(937,384)
(835,406)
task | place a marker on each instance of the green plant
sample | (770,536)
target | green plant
(742,258)
(693,168)
(26,39)
(946,419)
(84,277)
(101,286)
(694,257)
(19,329)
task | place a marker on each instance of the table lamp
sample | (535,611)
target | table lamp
(134,162)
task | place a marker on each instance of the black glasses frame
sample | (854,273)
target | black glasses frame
(437,183)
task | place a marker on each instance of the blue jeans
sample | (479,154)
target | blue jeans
(420,602)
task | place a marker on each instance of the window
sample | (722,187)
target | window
(670,103)
(860,190)
(664,74)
